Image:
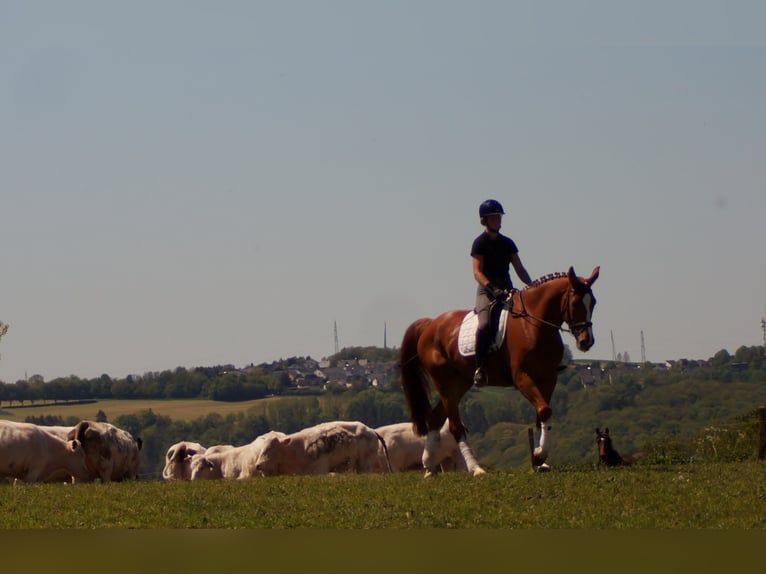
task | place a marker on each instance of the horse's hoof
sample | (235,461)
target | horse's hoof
(478,471)
(429,474)
(543,468)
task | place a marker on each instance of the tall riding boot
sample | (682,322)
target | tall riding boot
(482,346)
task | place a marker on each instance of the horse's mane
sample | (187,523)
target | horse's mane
(546,279)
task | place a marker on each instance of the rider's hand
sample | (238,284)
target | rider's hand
(495,293)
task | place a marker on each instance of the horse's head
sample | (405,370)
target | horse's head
(579,306)
(604,443)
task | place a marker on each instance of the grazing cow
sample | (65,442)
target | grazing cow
(61,432)
(111,453)
(229,462)
(327,447)
(178,460)
(405,449)
(30,454)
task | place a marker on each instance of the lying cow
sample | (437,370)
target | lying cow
(178,460)
(229,462)
(405,449)
(61,432)
(111,453)
(28,453)
(327,447)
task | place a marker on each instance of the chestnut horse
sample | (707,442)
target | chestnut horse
(528,359)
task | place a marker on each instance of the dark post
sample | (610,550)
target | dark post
(531,437)
(762,433)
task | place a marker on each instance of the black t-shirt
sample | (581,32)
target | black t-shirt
(496,255)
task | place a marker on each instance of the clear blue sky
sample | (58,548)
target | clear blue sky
(187,183)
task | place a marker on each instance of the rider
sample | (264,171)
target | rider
(492,253)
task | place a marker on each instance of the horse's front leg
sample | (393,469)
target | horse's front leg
(538,392)
(543,445)
(458,431)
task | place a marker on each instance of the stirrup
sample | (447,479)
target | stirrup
(479,378)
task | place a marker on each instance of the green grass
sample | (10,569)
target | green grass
(694,496)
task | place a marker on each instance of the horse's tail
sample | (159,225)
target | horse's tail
(414,382)
(382,442)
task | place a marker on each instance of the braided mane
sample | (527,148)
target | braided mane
(546,279)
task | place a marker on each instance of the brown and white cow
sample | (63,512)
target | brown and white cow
(28,453)
(111,453)
(339,446)
(178,460)
(405,449)
(229,462)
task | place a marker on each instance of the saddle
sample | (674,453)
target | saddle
(466,339)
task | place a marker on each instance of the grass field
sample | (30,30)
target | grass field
(709,496)
(177,409)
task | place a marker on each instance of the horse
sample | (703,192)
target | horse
(607,453)
(528,359)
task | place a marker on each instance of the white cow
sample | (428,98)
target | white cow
(61,432)
(112,453)
(30,454)
(229,462)
(178,460)
(405,449)
(338,446)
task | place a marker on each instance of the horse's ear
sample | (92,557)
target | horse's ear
(598,431)
(606,430)
(593,276)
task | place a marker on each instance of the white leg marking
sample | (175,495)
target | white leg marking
(470,460)
(542,450)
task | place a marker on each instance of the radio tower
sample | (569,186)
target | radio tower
(614,353)
(3,329)
(763,328)
(643,348)
(335,333)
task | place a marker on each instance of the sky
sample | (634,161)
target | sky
(194,183)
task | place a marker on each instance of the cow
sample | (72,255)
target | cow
(405,449)
(61,475)
(112,454)
(30,454)
(178,460)
(339,446)
(229,462)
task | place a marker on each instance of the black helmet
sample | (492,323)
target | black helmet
(490,207)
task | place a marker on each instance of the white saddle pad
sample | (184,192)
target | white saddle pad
(466,338)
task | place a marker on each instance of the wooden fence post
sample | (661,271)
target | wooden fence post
(762,432)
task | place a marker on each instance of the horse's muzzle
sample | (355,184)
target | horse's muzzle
(583,334)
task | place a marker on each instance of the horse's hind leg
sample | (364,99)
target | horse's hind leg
(433,438)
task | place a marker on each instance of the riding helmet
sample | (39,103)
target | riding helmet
(490,207)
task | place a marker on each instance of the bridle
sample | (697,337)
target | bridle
(574,328)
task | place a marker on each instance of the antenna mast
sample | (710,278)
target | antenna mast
(385,343)
(3,329)
(763,328)
(614,353)
(335,333)
(643,348)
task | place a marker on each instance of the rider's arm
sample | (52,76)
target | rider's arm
(478,274)
(521,271)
